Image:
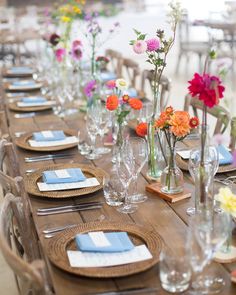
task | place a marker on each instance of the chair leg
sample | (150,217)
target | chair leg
(178,63)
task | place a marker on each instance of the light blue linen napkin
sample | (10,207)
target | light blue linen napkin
(132,92)
(32,99)
(57,135)
(107,76)
(20,69)
(23,83)
(119,242)
(225,157)
(76,175)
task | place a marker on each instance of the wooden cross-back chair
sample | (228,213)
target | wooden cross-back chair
(30,276)
(147,80)
(4,132)
(115,58)
(8,159)
(130,69)
(233,134)
(220,113)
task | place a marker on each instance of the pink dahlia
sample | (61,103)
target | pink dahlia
(111,84)
(76,50)
(140,46)
(153,44)
(60,53)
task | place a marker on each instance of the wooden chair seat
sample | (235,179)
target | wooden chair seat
(115,58)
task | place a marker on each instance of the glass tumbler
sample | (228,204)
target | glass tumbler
(175,271)
(113,190)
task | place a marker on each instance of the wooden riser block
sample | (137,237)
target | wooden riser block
(155,188)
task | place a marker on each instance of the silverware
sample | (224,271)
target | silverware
(81,205)
(15,95)
(57,229)
(30,171)
(129,291)
(69,210)
(25,115)
(19,133)
(48,157)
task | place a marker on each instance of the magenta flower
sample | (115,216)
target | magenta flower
(111,84)
(90,87)
(153,44)
(234,157)
(76,51)
(76,43)
(60,53)
(140,46)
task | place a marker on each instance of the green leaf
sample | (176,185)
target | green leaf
(142,36)
(137,32)
(131,42)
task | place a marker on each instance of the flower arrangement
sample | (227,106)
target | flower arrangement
(209,90)
(227,200)
(101,63)
(121,104)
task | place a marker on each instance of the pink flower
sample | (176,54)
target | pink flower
(234,157)
(90,87)
(60,53)
(76,50)
(111,84)
(140,46)
(76,43)
(153,44)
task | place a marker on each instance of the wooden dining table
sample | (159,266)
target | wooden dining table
(169,220)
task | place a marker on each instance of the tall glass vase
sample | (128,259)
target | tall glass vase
(119,140)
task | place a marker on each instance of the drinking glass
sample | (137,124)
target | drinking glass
(208,232)
(125,176)
(104,122)
(136,147)
(146,112)
(113,190)
(175,270)
(92,130)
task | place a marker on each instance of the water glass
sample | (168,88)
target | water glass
(175,271)
(113,190)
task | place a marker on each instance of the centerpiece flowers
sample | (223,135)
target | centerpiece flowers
(121,104)
(175,125)
(208,89)
(156,50)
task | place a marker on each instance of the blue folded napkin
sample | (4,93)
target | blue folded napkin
(57,135)
(107,76)
(23,83)
(76,175)
(119,242)
(225,157)
(20,69)
(32,99)
(132,92)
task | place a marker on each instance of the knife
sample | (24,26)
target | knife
(25,115)
(129,291)
(48,157)
(69,210)
(69,206)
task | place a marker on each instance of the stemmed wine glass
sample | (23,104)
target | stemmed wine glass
(104,122)
(211,164)
(92,130)
(136,147)
(125,168)
(207,233)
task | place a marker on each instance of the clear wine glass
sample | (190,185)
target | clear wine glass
(208,232)
(104,122)
(125,174)
(136,148)
(92,130)
(211,165)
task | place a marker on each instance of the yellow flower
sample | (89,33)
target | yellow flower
(227,200)
(77,10)
(64,9)
(65,19)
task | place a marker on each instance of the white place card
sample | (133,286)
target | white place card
(95,259)
(62,173)
(35,104)
(184,154)
(46,187)
(67,140)
(99,239)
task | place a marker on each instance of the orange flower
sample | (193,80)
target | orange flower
(125,98)
(135,103)
(179,122)
(194,122)
(112,102)
(163,120)
(169,110)
(141,129)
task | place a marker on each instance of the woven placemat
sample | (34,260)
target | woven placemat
(89,171)
(14,107)
(11,87)
(22,142)
(58,246)
(8,73)
(183,164)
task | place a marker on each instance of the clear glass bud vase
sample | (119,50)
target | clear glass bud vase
(172,177)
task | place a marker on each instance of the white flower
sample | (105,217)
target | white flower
(121,84)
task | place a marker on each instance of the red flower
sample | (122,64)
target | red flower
(135,103)
(141,129)
(54,39)
(194,122)
(207,88)
(125,98)
(112,102)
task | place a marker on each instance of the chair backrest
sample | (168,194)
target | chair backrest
(115,61)
(233,134)
(130,70)
(4,132)
(8,159)
(30,276)
(221,114)
(147,79)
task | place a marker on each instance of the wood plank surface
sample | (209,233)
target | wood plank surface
(169,220)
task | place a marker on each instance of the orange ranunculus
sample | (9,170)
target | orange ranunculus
(135,103)
(141,129)
(112,102)
(125,98)
(179,123)
(194,122)
(169,110)
(163,120)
